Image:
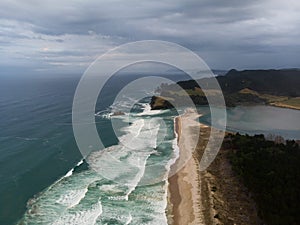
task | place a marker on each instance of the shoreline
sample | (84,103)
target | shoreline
(210,197)
(184,185)
(284,106)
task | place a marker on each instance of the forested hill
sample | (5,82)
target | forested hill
(274,82)
(274,87)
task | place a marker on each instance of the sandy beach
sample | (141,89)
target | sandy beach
(213,196)
(184,186)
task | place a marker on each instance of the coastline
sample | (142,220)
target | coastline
(210,197)
(184,185)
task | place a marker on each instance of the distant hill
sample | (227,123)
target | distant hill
(274,87)
(274,82)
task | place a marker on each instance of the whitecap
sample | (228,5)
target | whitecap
(72,197)
(84,217)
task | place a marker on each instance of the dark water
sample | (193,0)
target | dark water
(36,141)
(37,145)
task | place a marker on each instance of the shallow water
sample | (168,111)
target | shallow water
(260,120)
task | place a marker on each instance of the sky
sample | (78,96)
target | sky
(55,36)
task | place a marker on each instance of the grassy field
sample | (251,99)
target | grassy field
(268,98)
(244,96)
(293,103)
(279,101)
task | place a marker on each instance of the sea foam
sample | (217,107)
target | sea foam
(115,192)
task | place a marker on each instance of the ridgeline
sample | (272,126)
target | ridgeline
(248,87)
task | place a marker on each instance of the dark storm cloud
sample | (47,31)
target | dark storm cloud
(116,17)
(250,32)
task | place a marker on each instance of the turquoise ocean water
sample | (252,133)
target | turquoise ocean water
(43,177)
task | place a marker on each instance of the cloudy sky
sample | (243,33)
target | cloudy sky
(55,36)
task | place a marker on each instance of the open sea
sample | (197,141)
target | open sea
(44,179)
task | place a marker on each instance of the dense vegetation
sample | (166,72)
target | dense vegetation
(240,87)
(271,173)
(273,82)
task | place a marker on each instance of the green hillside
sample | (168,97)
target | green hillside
(272,87)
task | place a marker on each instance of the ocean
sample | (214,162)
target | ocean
(44,179)
(37,145)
